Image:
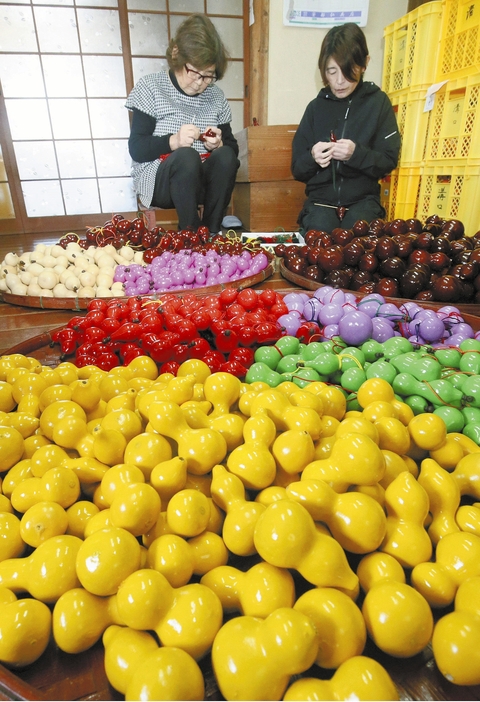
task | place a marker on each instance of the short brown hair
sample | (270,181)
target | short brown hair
(347,45)
(198,43)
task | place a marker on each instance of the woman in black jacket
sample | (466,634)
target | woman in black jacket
(347,139)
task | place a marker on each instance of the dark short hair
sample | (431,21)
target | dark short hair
(347,45)
(199,44)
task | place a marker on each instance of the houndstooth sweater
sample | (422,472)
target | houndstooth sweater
(157,96)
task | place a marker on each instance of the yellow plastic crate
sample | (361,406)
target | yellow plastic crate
(451,191)
(454,131)
(399,193)
(460,39)
(412,48)
(413,125)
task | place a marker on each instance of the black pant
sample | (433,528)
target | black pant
(326,219)
(184,182)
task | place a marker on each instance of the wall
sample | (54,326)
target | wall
(293,75)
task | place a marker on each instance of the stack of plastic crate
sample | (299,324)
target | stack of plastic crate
(439,165)
(450,177)
(411,56)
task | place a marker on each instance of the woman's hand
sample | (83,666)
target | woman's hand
(185,136)
(343,149)
(323,151)
(213,142)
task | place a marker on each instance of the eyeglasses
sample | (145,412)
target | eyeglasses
(199,76)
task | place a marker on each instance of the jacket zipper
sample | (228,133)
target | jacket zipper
(337,163)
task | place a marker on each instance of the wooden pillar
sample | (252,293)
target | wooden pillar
(258,88)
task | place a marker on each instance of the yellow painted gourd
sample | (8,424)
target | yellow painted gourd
(456,637)
(393,435)
(253,461)
(125,650)
(254,659)
(79,619)
(145,450)
(229,425)
(78,516)
(256,593)
(24,422)
(86,393)
(88,469)
(428,431)
(135,507)
(468,518)
(59,485)
(25,628)
(355,460)
(285,536)
(113,480)
(53,413)
(271,494)
(209,551)
(358,678)
(171,555)
(46,457)
(357,424)
(333,400)
(450,454)
(139,669)
(11,447)
(467,475)
(167,674)
(355,520)
(341,631)
(12,544)
(457,558)
(285,414)
(293,449)
(108,445)
(126,421)
(202,448)
(188,617)
(398,618)
(178,389)
(42,521)
(71,432)
(188,512)
(17,473)
(47,573)
(228,492)
(406,504)
(5,504)
(169,476)
(395,464)
(443,496)
(106,558)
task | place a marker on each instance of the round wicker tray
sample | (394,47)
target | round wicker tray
(81,303)
(466,307)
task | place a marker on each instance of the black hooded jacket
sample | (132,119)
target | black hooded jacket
(367,118)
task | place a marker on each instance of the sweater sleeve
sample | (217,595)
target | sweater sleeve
(381,157)
(142,145)
(228,138)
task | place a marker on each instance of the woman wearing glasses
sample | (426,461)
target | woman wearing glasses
(181,142)
(347,138)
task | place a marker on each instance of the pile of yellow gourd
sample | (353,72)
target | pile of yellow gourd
(128,500)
